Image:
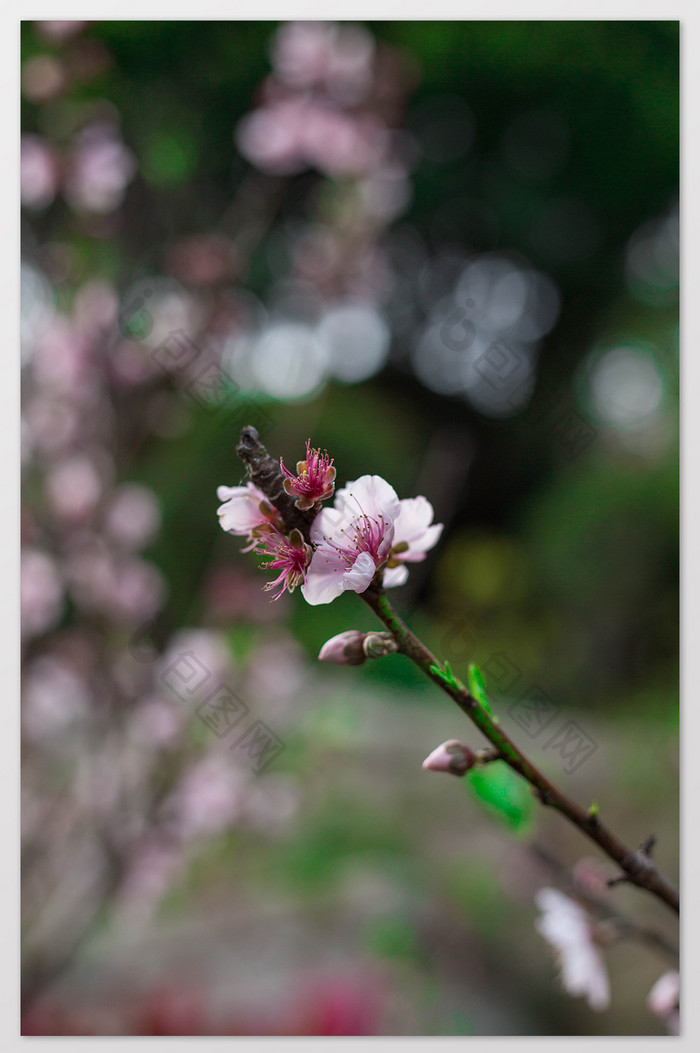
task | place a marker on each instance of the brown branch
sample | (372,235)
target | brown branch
(625,926)
(637,866)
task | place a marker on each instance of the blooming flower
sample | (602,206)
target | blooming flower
(567,928)
(290,555)
(244,511)
(368,528)
(314,481)
(351,540)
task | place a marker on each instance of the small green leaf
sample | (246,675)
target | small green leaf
(503,794)
(446,675)
(477,687)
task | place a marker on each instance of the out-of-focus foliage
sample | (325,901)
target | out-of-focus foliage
(448,253)
(503,795)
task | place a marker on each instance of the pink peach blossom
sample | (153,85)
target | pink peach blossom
(244,509)
(352,540)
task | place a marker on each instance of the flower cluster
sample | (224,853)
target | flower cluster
(368,530)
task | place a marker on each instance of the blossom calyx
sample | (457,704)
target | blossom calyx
(376,645)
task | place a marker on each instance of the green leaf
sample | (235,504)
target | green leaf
(503,794)
(446,675)
(477,687)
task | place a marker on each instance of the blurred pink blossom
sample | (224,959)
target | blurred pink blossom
(41,592)
(52,423)
(157,722)
(272,803)
(151,869)
(132,516)
(210,652)
(566,926)
(209,798)
(300,52)
(62,360)
(74,487)
(99,171)
(314,54)
(663,1000)
(38,172)
(43,78)
(53,696)
(125,589)
(277,670)
(95,310)
(295,133)
(59,30)
(203,260)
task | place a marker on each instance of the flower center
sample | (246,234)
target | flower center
(363,533)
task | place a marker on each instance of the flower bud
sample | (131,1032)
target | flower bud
(344,649)
(452,756)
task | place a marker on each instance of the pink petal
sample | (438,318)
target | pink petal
(412,526)
(369,495)
(362,572)
(240,512)
(394,576)
(324,577)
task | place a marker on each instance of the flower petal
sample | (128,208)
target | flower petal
(361,573)
(394,576)
(412,526)
(326,525)
(324,576)
(369,495)
(240,512)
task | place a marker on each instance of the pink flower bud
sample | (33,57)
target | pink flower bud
(344,649)
(452,756)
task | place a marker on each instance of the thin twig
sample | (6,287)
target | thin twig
(626,926)
(637,866)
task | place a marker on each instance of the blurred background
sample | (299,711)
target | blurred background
(448,253)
